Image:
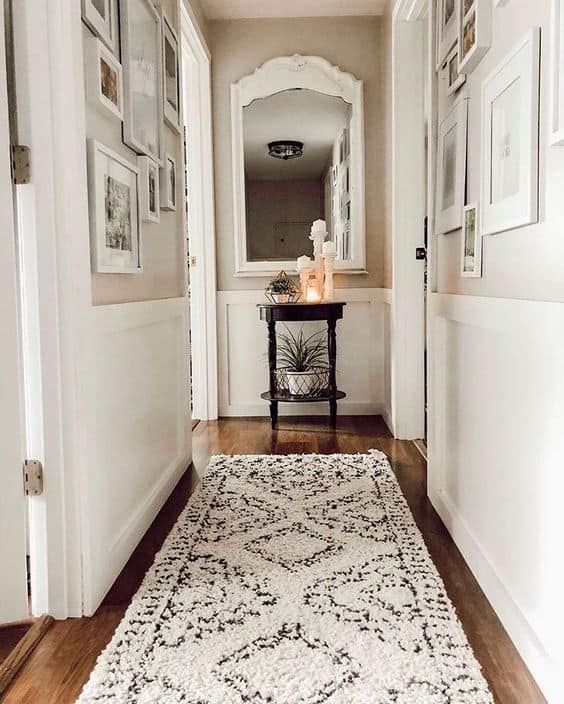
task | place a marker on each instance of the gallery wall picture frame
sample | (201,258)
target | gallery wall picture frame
(104,79)
(115,236)
(149,190)
(447,28)
(557,74)
(141,54)
(471,243)
(474,32)
(510,139)
(101,18)
(168,183)
(455,79)
(172,103)
(451,168)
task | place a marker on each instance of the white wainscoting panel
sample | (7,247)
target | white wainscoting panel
(243,374)
(139,439)
(496,450)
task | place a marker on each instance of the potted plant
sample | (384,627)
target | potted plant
(282,289)
(302,370)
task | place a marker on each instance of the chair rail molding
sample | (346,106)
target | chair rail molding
(308,73)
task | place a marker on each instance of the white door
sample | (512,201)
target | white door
(13,577)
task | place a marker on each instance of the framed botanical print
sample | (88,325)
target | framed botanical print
(168,183)
(171,74)
(113,209)
(471,249)
(474,32)
(149,195)
(455,79)
(447,14)
(101,17)
(104,87)
(141,41)
(510,124)
(557,74)
(451,169)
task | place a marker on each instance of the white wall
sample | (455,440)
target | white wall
(361,354)
(496,387)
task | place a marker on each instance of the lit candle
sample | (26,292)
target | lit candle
(305,267)
(312,294)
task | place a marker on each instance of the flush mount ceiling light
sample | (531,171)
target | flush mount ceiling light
(285,149)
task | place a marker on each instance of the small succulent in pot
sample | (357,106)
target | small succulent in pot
(303,370)
(282,289)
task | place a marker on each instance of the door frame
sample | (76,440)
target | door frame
(409,196)
(196,88)
(56,294)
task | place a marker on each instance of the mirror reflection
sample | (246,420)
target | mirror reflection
(297,170)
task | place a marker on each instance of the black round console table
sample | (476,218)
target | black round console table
(273,313)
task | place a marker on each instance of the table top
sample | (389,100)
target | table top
(326,310)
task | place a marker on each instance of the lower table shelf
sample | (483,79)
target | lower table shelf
(290,398)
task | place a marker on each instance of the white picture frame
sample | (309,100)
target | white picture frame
(474,32)
(455,79)
(113,205)
(451,168)
(168,183)
(172,101)
(557,74)
(149,189)
(101,18)
(141,44)
(104,79)
(510,139)
(447,19)
(471,243)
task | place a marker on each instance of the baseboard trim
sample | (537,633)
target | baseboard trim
(133,531)
(299,409)
(522,634)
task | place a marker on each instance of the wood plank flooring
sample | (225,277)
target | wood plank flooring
(60,665)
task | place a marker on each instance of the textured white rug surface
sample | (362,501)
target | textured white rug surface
(294,579)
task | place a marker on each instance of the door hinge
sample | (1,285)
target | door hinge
(420,253)
(33,477)
(21,164)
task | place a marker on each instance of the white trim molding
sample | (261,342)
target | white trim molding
(196,82)
(361,348)
(310,73)
(496,395)
(139,430)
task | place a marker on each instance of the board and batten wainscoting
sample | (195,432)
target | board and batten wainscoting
(136,408)
(362,359)
(496,448)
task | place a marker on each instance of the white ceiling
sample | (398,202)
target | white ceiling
(246,9)
(304,115)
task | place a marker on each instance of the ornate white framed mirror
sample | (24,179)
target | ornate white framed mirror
(298,156)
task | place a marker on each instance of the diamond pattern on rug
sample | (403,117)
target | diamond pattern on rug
(291,580)
(293,546)
(264,671)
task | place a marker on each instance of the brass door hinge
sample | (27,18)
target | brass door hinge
(33,477)
(21,164)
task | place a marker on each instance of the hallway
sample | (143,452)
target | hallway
(60,666)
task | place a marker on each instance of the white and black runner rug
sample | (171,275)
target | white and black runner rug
(295,579)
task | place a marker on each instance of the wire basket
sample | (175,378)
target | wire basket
(313,382)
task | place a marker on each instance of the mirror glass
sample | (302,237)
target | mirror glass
(297,170)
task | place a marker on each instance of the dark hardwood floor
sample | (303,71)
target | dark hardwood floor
(60,665)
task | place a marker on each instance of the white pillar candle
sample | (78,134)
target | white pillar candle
(318,235)
(328,260)
(329,248)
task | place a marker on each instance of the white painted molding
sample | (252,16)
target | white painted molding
(505,339)
(310,73)
(196,80)
(407,411)
(137,414)
(361,354)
